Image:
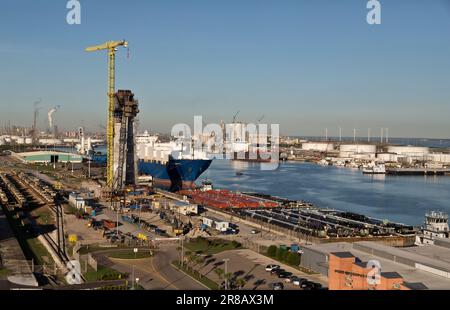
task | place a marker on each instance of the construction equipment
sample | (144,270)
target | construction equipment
(111,47)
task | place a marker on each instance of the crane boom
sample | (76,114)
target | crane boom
(107,46)
(111,47)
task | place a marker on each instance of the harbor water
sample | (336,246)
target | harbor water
(403,199)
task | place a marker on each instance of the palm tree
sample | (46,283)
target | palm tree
(241,282)
(219,272)
(228,277)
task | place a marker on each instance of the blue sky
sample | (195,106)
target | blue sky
(306,64)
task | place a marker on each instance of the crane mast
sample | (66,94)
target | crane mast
(111,47)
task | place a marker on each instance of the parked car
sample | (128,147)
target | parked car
(299,281)
(276,271)
(307,285)
(284,274)
(291,279)
(255,231)
(276,286)
(316,286)
(272,267)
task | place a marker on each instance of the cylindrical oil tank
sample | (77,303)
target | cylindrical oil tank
(318,146)
(358,148)
(409,150)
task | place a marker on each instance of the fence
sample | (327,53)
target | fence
(18,267)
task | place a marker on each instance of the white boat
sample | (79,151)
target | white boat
(374,168)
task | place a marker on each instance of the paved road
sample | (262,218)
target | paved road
(154,273)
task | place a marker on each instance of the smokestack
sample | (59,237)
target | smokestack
(50,119)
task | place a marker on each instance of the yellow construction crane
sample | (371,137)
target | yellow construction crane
(111,46)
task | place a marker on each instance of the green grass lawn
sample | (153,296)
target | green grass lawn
(129,254)
(195,275)
(4,272)
(39,251)
(210,247)
(31,246)
(44,216)
(103,273)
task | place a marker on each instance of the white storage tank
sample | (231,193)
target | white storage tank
(20,140)
(318,146)
(354,150)
(50,141)
(440,158)
(409,150)
(387,157)
(358,148)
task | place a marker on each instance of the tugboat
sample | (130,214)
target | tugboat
(435,227)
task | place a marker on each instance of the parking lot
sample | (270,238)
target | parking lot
(251,267)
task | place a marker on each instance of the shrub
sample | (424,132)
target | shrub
(293,259)
(272,251)
(235,244)
(281,254)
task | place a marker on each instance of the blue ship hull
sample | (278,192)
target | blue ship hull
(176,173)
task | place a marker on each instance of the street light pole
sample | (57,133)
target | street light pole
(140,211)
(182,251)
(226,260)
(133,279)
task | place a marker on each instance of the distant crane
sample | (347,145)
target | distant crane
(111,47)
(260,119)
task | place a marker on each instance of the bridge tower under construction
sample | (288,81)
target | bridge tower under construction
(126,108)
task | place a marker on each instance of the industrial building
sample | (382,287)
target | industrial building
(184,208)
(217,224)
(46,157)
(420,266)
(348,272)
(76,200)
